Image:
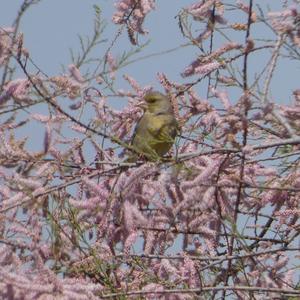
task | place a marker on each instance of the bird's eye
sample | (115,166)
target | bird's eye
(151,100)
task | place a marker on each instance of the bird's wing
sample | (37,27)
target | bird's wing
(154,134)
(164,128)
(135,130)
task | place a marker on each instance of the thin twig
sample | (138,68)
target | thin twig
(282,142)
(256,289)
(219,259)
(264,99)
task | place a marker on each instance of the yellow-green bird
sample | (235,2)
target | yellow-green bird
(156,130)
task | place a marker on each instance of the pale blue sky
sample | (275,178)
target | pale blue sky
(51,27)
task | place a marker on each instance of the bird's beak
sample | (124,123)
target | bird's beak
(142,105)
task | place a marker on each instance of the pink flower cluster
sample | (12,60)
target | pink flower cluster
(70,85)
(202,9)
(133,13)
(287,21)
(17,89)
(207,64)
(5,44)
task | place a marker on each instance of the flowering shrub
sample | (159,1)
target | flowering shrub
(217,218)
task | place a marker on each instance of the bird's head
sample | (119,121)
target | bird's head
(158,103)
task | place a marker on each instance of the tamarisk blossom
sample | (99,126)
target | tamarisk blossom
(211,12)
(201,9)
(133,217)
(167,269)
(133,13)
(75,74)
(296,94)
(189,272)
(202,225)
(136,87)
(245,8)
(207,64)
(287,21)
(155,288)
(203,69)
(289,12)
(124,119)
(128,182)
(130,240)
(194,191)
(292,114)
(222,95)
(210,169)
(17,89)
(227,80)
(67,85)
(41,283)
(10,149)
(5,44)
(70,85)
(208,199)
(112,63)
(223,49)
(288,212)
(211,9)
(27,182)
(14,200)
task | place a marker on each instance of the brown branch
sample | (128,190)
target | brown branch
(49,100)
(122,165)
(25,5)
(255,289)
(188,86)
(192,232)
(283,142)
(57,188)
(218,259)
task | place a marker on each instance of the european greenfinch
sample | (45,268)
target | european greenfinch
(156,130)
